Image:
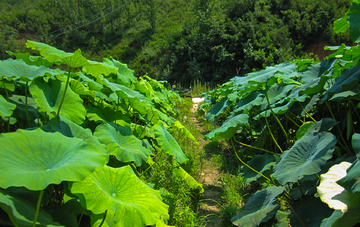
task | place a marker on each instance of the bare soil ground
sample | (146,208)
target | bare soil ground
(211,198)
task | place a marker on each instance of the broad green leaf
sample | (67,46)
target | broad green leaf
(328,187)
(260,163)
(22,211)
(49,95)
(20,110)
(306,156)
(229,128)
(31,60)
(190,181)
(97,68)
(35,159)
(167,142)
(330,220)
(303,129)
(125,74)
(121,142)
(217,109)
(282,218)
(184,131)
(6,108)
(128,200)
(260,207)
(80,89)
(18,69)
(263,76)
(352,215)
(341,25)
(250,101)
(353,15)
(102,115)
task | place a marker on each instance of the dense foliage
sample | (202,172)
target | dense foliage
(294,128)
(176,40)
(82,146)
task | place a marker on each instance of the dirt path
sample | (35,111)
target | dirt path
(211,199)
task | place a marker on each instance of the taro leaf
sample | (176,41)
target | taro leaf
(122,143)
(167,142)
(354,18)
(260,207)
(217,109)
(125,74)
(118,189)
(22,211)
(307,155)
(18,69)
(185,132)
(249,102)
(328,187)
(35,159)
(311,211)
(352,214)
(6,108)
(229,128)
(303,129)
(260,163)
(49,96)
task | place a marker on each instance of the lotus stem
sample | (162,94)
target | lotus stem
(66,86)
(7,99)
(276,118)
(82,214)
(38,207)
(26,104)
(297,216)
(232,143)
(297,125)
(298,183)
(250,146)
(307,113)
(102,222)
(272,136)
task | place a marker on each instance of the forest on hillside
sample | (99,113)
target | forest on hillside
(175,40)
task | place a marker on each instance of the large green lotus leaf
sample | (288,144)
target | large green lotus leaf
(185,132)
(328,187)
(118,189)
(217,109)
(125,74)
(353,15)
(264,75)
(352,215)
(348,80)
(97,68)
(22,211)
(6,108)
(277,92)
(260,163)
(122,143)
(167,142)
(260,207)
(190,181)
(87,81)
(102,115)
(330,220)
(303,129)
(70,129)
(311,211)
(229,128)
(31,60)
(341,25)
(250,101)
(20,110)
(80,89)
(306,156)
(19,69)
(53,54)
(49,94)
(35,159)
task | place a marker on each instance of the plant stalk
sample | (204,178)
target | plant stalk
(102,222)
(38,207)
(250,146)
(66,86)
(272,136)
(26,104)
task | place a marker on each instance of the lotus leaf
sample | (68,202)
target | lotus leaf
(353,19)
(260,163)
(128,200)
(121,142)
(125,74)
(185,132)
(22,211)
(35,159)
(168,143)
(229,128)
(20,110)
(260,207)
(96,69)
(352,215)
(6,108)
(49,95)
(217,109)
(307,155)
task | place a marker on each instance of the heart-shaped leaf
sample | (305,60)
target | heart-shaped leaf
(35,159)
(129,201)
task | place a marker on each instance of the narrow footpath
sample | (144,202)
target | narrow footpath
(209,212)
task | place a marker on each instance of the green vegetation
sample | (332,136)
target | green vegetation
(288,125)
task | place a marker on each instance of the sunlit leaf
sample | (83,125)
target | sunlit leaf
(168,143)
(217,109)
(260,163)
(341,25)
(229,128)
(128,200)
(354,20)
(184,131)
(125,74)
(35,159)
(6,108)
